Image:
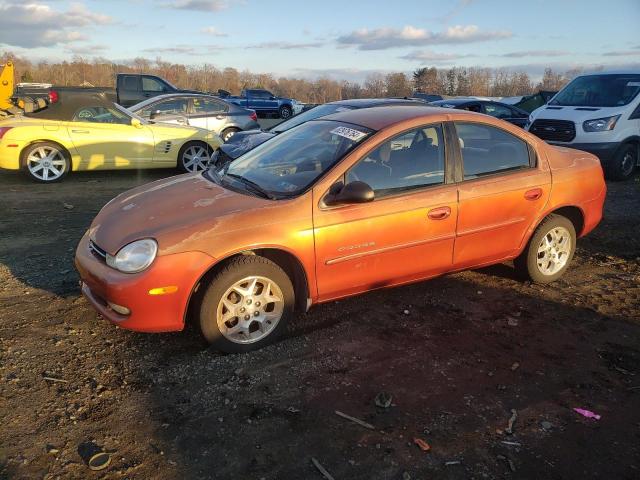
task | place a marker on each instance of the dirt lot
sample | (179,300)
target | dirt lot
(457,354)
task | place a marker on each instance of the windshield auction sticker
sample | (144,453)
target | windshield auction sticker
(349,133)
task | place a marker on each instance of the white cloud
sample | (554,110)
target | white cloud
(622,53)
(535,53)
(429,56)
(200,5)
(286,45)
(86,49)
(384,38)
(213,31)
(37,25)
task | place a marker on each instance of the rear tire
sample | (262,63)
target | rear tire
(549,251)
(246,305)
(194,157)
(227,133)
(46,162)
(285,112)
(623,163)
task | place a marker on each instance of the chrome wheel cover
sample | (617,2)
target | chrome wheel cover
(628,163)
(554,251)
(195,158)
(46,163)
(285,113)
(250,309)
(229,134)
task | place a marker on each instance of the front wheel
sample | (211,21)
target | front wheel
(622,164)
(549,251)
(46,162)
(285,112)
(246,305)
(194,157)
(227,133)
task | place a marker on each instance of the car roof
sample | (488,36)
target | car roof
(69,103)
(456,101)
(372,102)
(377,118)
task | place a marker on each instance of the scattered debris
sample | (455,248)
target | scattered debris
(383,400)
(99,461)
(406,475)
(51,449)
(67,206)
(451,462)
(587,413)
(293,410)
(512,420)
(515,366)
(321,469)
(509,462)
(512,321)
(634,388)
(546,425)
(406,312)
(424,446)
(355,420)
(53,379)
(513,444)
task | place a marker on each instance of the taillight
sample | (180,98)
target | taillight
(253,116)
(53,96)
(4,130)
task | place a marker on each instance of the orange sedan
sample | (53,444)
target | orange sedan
(337,206)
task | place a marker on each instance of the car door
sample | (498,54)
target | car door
(503,188)
(208,113)
(104,138)
(406,233)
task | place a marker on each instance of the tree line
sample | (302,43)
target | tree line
(455,81)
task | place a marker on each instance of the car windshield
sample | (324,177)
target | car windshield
(316,112)
(599,91)
(289,163)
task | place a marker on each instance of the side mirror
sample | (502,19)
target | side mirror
(136,123)
(353,192)
(272,97)
(154,114)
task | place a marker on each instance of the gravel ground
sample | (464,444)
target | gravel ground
(458,355)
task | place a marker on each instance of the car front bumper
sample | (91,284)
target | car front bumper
(149,312)
(604,151)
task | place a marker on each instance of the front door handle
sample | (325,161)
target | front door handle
(79,131)
(439,213)
(533,194)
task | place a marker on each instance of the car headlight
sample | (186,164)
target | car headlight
(600,124)
(135,257)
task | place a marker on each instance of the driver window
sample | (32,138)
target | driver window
(412,160)
(174,106)
(100,115)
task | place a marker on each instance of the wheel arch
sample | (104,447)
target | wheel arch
(41,140)
(282,257)
(572,212)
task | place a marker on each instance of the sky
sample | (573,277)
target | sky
(335,38)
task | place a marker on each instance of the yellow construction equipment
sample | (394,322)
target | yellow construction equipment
(6,86)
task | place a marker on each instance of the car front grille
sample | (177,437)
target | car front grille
(554,130)
(97,252)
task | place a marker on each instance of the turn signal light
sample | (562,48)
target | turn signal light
(163,290)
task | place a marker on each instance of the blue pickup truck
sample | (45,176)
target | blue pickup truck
(265,102)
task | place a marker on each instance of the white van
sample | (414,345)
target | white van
(598,113)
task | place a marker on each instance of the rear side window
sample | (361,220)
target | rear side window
(487,150)
(208,105)
(174,106)
(131,83)
(150,84)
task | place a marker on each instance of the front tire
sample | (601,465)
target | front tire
(46,162)
(247,305)
(285,112)
(549,251)
(227,133)
(194,157)
(623,163)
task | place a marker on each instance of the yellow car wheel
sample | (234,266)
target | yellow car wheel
(194,157)
(46,162)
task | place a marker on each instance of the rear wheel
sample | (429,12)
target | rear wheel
(623,163)
(194,157)
(549,251)
(227,133)
(46,162)
(246,305)
(285,112)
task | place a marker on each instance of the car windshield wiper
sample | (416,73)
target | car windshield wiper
(252,185)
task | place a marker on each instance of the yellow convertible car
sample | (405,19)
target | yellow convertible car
(88,132)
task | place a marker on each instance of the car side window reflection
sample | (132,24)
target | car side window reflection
(409,161)
(175,106)
(207,105)
(100,115)
(487,150)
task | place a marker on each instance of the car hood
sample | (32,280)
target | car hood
(242,142)
(574,114)
(172,211)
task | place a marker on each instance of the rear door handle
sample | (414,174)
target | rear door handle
(79,131)
(533,194)
(439,213)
